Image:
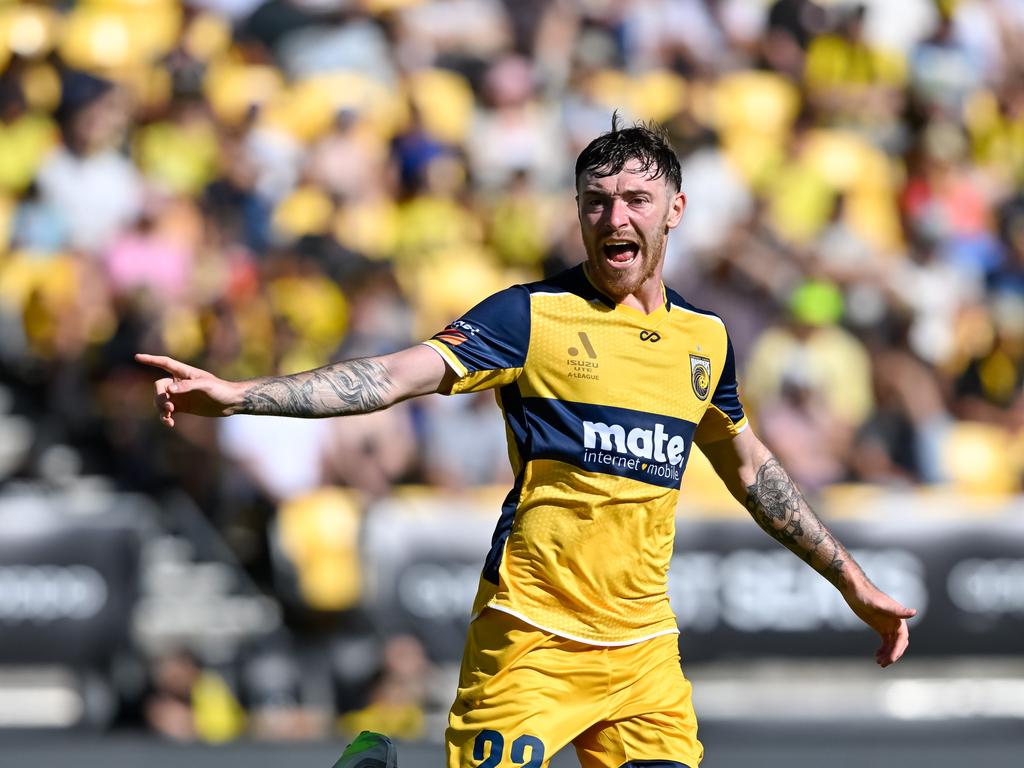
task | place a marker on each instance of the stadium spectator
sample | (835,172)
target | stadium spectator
(88,179)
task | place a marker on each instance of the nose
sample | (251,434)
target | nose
(617,213)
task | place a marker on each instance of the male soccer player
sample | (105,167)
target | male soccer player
(606,379)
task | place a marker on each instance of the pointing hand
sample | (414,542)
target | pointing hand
(189,390)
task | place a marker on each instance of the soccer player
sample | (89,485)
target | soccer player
(606,379)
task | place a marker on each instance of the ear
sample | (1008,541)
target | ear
(676,206)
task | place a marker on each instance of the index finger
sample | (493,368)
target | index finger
(169,364)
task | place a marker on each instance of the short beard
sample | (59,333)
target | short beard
(624,284)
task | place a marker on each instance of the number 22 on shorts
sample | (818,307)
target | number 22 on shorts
(527,751)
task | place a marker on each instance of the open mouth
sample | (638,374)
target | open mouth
(620,252)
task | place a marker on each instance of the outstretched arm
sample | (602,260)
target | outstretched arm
(757,479)
(349,387)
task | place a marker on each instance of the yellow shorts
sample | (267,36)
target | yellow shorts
(525,693)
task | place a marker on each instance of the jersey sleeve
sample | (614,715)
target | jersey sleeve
(487,346)
(724,417)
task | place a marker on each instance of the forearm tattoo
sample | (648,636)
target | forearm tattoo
(777,505)
(355,386)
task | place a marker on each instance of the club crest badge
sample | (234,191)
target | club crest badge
(700,376)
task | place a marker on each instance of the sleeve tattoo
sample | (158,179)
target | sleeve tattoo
(355,386)
(777,505)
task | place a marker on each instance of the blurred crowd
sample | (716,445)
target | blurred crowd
(265,187)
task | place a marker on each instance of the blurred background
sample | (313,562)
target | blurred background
(265,187)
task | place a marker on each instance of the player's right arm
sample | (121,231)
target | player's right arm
(340,389)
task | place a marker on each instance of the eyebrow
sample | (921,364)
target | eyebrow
(603,193)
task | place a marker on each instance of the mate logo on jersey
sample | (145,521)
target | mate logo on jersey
(652,448)
(640,443)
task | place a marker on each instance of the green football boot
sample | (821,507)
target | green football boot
(369,750)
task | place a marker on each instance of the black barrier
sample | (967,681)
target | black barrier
(736,592)
(67,590)
(423,562)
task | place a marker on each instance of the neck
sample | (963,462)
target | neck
(648,297)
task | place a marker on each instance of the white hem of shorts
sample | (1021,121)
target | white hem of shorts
(601,643)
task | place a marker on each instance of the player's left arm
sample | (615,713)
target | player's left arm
(759,482)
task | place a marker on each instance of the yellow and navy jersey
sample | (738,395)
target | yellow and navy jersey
(602,405)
